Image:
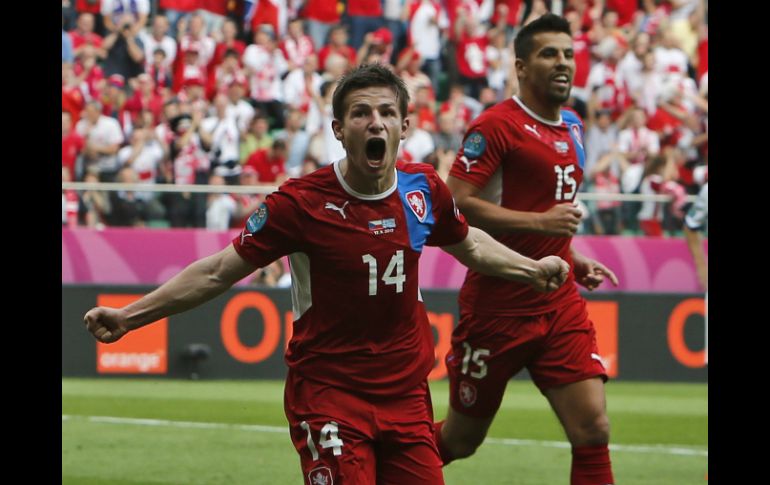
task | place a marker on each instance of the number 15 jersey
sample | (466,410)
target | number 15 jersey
(359,320)
(522,162)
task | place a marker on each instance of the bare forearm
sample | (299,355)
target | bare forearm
(495,219)
(195,285)
(480,252)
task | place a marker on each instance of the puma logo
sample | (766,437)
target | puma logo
(468,163)
(532,128)
(341,210)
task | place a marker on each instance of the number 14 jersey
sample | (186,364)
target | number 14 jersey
(359,320)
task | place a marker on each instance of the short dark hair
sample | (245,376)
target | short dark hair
(367,76)
(524,45)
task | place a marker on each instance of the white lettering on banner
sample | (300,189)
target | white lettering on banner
(142,360)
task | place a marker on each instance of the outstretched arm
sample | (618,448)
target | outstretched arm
(480,252)
(196,284)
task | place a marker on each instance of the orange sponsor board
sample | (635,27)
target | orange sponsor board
(143,351)
(604,314)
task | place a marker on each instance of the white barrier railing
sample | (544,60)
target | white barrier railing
(266,189)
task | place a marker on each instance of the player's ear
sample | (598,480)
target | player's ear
(337,129)
(404,127)
(521,68)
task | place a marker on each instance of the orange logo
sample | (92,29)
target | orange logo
(143,351)
(604,314)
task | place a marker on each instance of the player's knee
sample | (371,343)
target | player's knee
(594,430)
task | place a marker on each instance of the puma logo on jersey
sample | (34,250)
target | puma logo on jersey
(532,128)
(244,235)
(467,163)
(334,207)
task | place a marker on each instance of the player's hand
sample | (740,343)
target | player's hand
(590,273)
(552,273)
(106,324)
(560,220)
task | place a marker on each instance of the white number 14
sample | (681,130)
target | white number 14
(394,273)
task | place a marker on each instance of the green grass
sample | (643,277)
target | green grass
(119,453)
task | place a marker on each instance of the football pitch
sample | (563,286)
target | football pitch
(143,431)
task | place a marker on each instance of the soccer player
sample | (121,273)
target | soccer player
(694,222)
(516,176)
(356,395)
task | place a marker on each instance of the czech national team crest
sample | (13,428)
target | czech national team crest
(467,394)
(576,134)
(416,201)
(320,476)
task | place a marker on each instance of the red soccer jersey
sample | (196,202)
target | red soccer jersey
(524,163)
(268,169)
(366,8)
(359,320)
(322,11)
(71,145)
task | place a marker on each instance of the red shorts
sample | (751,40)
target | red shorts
(345,439)
(557,348)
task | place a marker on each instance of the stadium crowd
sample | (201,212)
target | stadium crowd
(226,92)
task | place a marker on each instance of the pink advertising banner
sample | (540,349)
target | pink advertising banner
(152,256)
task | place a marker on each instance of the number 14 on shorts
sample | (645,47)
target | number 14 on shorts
(326,439)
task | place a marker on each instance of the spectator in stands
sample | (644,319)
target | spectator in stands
(322,17)
(425,34)
(296,140)
(84,35)
(297,46)
(72,99)
(377,47)
(95,208)
(114,14)
(125,51)
(221,135)
(301,86)
(338,44)
(103,137)
(600,138)
(158,38)
(192,34)
(190,166)
(229,43)
(408,68)
(88,72)
(418,143)
(144,156)
(257,138)
(364,16)
(270,164)
(71,144)
(265,64)
(220,208)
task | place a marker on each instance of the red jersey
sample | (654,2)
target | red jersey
(525,163)
(364,8)
(359,320)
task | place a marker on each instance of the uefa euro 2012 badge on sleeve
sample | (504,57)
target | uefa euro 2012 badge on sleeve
(257,219)
(474,145)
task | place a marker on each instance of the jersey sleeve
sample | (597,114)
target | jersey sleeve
(697,216)
(481,152)
(451,226)
(272,231)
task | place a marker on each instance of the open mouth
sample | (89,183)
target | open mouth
(375,149)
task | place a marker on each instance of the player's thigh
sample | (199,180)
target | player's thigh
(582,410)
(409,464)
(332,451)
(569,351)
(332,432)
(485,354)
(406,449)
